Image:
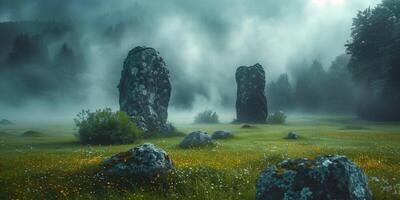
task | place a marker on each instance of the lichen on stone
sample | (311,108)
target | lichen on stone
(145,89)
(142,161)
(326,177)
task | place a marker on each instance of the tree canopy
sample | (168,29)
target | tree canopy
(375,59)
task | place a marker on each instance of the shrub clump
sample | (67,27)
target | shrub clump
(277,118)
(207,117)
(106,127)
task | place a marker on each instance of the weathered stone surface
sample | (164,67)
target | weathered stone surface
(292,135)
(251,103)
(221,135)
(144,161)
(5,122)
(196,139)
(145,89)
(327,177)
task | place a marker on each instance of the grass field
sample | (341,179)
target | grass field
(53,165)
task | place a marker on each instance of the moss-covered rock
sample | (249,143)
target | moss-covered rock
(196,139)
(221,135)
(142,162)
(292,135)
(327,177)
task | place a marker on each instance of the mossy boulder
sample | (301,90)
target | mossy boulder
(143,162)
(292,135)
(221,135)
(145,90)
(196,139)
(327,177)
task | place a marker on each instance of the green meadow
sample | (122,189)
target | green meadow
(52,164)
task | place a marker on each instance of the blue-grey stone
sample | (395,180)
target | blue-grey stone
(328,177)
(196,139)
(144,161)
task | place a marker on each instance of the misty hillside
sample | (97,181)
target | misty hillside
(57,61)
(75,60)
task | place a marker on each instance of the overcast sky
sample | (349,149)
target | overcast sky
(202,42)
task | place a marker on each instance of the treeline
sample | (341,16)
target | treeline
(45,60)
(38,66)
(375,60)
(314,89)
(367,81)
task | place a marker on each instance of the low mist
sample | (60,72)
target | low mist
(57,58)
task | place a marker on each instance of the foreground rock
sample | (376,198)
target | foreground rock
(196,139)
(328,178)
(5,122)
(292,135)
(143,162)
(145,89)
(221,135)
(251,103)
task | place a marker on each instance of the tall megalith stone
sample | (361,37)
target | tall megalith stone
(251,103)
(145,89)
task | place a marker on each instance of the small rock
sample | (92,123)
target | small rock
(221,135)
(5,122)
(327,177)
(292,135)
(196,139)
(144,161)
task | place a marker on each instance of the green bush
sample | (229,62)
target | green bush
(106,127)
(277,118)
(206,117)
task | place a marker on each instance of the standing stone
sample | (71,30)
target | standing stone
(251,103)
(145,89)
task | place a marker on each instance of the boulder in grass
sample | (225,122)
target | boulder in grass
(196,139)
(292,135)
(327,177)
(142,162)
(221,135)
